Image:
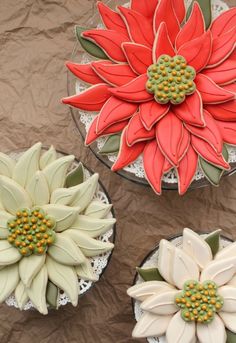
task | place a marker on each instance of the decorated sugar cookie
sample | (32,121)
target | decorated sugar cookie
(189,293)
(162,86)
(50,219)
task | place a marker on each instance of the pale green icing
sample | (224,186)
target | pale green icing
(75,177)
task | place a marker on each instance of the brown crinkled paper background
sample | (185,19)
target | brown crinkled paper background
(36,38)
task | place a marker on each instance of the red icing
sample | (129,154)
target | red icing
(222,47)
(84,72)
(198,51)
(191,110)
(138,56)
(111,19)
(210,92)
(211,133)
(187,169)
(184,144)
(92,99)
(208,153)
(169,132)
(179,8)
(153,161)
(225,22)
(228,131)
(136,132)
(225,112)
(139,27)
(93,136)
(165,13)
(127,154)
(145,7)
(114,74)
(162,44)
(167,166)
(110,41)
(134,91)
(151,112)
(231,88)
(113,111)
(195,27)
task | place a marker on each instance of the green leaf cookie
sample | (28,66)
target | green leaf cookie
(111,146)
(206,10)
(75,177)
(52,295)
(151,274)
(231,337)
(213,240)
(89,46)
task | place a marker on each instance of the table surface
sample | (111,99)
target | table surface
(36,37)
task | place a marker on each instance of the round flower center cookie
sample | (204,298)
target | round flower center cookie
(199,302)
(31,231)
(171,79)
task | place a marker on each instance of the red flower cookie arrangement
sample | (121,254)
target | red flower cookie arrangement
(164,80)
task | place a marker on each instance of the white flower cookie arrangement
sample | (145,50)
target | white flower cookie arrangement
(191,296)
(50,220)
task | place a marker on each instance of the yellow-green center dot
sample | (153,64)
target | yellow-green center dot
(199,302)
(171,80)
(31,231)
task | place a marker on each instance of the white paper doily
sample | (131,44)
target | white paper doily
(98,263)
(136,167)
(151,262)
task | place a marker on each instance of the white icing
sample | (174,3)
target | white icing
(213,332)
(180,331)
(8,254)
(64,215)
(146,289)
(37,290)
(7,165)
(48,157)
(9,277)
(161,304)
(29,268)
(229,320)
(21,295)
(38,189)
(151,325)
(98,210)
(228,252)
(85,271)
(219,271)
(229,295)
(92,227)
(166,254)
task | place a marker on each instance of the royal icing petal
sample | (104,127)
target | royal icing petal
(8,254)
(184,144)
(209,154)
(229,295)
(198,51)
(9,277)
(227,252)
(179,8)
(161,304)
(168,134)
(229,320)
(194,27)
(92,99)
(37,291)
(153,161)
(146,289)
(7,165)
(114,74)
(47,157)
(210,92)
(97,209)
(84,72)
(135,91)
(111,19)
(146,8)
(38,189)
(92,227)
(219,271)
(127,154)
(138,56)
(21,295)
(136,132)
(64,215)
(187,169)
(180,331)
(29,268)
(151,325)
(191,110)
(228,131)
(85,271)
(110,41)
(196,247)
(162,44)
(115,110)
(165,13)
(224,22)
(165,260)
(225,111)
(139,27)
(150,112)
(213,332)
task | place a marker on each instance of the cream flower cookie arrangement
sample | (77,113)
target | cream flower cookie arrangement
(49,222)
(191,296)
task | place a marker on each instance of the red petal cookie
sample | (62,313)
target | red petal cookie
(92,99)
(136,132)
(127,155)
(208,153)
(84,72)
(153,161)
(191,110)
(113,111)
(179,8)
(111,19)
(139,27)
(195,27)
(114,74)
(225,111)
(167,166)
(210,92)
(187,169)
(210,133)
(228,131)
(165,13)
(225,22)
(162,44)
(134,91)
(231,88)
(110,41)
(146,8)
(138,56)
(184,144)
(151,112)
(169,132)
